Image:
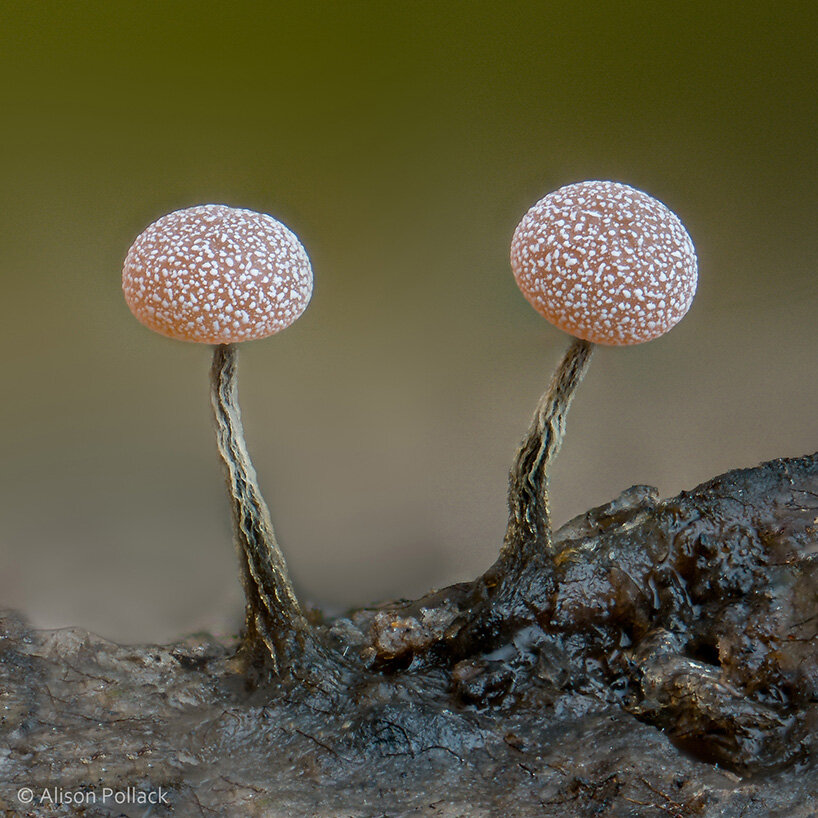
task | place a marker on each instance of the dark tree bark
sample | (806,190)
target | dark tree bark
(658,658)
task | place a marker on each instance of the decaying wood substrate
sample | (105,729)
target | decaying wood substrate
(669,668)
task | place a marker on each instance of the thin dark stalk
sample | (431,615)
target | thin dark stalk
(518,588)
(274,619)
(529,523)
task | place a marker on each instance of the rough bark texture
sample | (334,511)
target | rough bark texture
(670,668)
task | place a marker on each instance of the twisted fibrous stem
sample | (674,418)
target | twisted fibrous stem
(518,587)
(528,533)
(275,622)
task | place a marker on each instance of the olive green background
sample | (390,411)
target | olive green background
(402,141)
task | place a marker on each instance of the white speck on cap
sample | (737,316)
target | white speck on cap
(204,274)
(605,262)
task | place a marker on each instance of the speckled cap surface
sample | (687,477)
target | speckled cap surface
(217,274)
(605,262)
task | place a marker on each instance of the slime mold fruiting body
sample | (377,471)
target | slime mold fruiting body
(605,262)
(608,264)
(217,275)
(220,275)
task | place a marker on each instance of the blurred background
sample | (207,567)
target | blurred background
(402,142)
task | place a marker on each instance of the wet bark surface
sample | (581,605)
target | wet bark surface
(659,659)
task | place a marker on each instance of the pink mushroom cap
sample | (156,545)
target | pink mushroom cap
(605,262)
(217,275)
